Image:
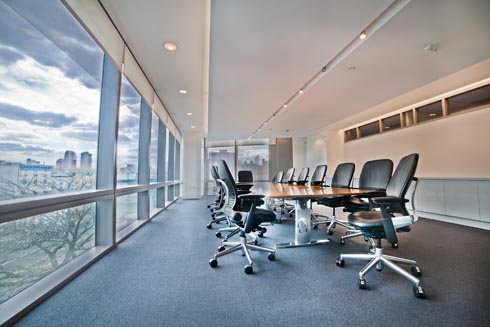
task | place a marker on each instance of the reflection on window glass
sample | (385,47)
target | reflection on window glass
(369,129)
(31,248)
(256,159)
(154,147)
(153,199)
(50,80)
(468,100)
(351,134)
(429,112)
(126,210)
(391,123)
(128,135)
(214,154)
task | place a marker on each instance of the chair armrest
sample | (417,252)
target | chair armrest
(384,201)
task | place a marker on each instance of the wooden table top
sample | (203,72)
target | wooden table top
(287,191)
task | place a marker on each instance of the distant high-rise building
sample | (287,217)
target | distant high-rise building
(86,160)
(59,163)
(70,160)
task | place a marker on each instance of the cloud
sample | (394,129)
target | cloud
(86,126)
(90,136)
(129,122)
(11,147)
(40,118)
(9,55)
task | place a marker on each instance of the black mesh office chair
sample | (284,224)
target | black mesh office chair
(277,177)
(384,225)
(217,214)
(254,218)
(375,175)
(303,176)
(288,177)
(342,177)
(319,175)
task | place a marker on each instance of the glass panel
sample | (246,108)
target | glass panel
(408,118)
(171,157)
(226,153)
(128,135)
(429,112)
(50,80)
(471,99)
(391,123)
(256,159)
(369,129)
(32,248)
(126,210)
(155,122)
(153,199)
(350,135)
(167,133)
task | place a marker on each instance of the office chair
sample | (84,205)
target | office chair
(342,177)
(319,175)
(254,218)
(384,225)
(245,176)
(375,175)
(288,177)
(303,176)
(217,214)
(217,189)
(277,177)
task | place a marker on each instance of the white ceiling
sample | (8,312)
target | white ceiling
(262,52)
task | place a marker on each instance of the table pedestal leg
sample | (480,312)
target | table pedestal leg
(302,227)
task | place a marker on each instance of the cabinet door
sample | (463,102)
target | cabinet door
(461,198)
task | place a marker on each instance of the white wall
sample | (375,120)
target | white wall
(191,173)
(299,153)
(316,150)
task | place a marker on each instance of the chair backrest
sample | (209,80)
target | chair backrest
(214,172)
(277,177)
(289,176)
(376,174)
(227,178)
(245,176)
(398,187)
(403,176)
(342,176)
(318,177)
(303,175)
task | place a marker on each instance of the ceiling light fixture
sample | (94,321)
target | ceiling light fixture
(301,91)
(362,36)
(285,106)
(192,126)
(431,47)
(182,91)
(188,113)
(169,46)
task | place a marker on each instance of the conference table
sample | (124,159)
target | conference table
(302,194)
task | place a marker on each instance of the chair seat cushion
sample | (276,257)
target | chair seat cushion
(355,204)
(366,219)
(332,201)
(263,215)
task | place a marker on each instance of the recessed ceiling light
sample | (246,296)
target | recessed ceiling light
(265,124)
(301,91)
(183,91)
(192,126)
(169,46)
(188,113)
(285,106)
(362,36)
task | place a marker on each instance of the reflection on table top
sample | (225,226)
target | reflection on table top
(287,191)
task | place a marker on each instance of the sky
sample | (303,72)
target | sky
(50,73)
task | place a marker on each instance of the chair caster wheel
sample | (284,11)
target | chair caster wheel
(249,270)
(315,226)
(329,232)
(209,226)
(419,292)
(221,248)
(362,284)
(218,234)
(213,263)
(271,257)
(394,245)
(416,271)
(342,241)
(340,263)
(261,234)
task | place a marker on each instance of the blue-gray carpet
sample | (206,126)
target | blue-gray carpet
(160,276)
